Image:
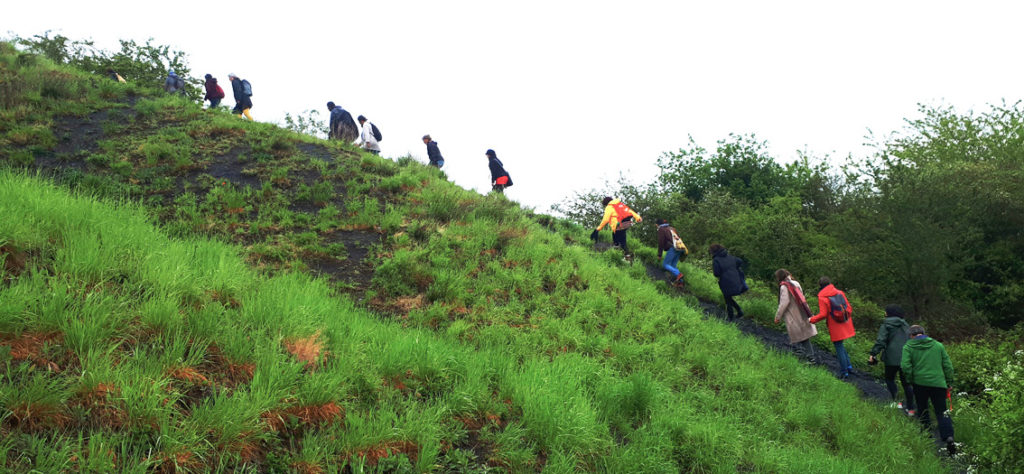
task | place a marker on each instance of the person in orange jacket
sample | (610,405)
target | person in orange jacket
(619,217)
(833,305)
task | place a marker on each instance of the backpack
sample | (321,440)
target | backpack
(246,88)
(376,133)
(839,309)
(179,83)
(678,243)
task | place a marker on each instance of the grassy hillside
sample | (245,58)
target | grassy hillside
(197,292)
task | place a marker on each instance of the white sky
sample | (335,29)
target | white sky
(570,93)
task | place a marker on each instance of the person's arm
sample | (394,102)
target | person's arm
(635,215)
(822,310)
(907,366)
(881,341)
(716,268)
(783,302)
(947,367)
(606,219)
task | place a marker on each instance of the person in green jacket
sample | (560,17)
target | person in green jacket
(926,365)
(892,335)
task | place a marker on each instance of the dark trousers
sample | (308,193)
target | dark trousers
(619,239)
(214,103)
(937,397)
(805,349)
(730,303)
(498,188)
(891,371)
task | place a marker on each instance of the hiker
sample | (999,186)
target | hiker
(794,311)
(619,217)
(929,370)
(174,84)
(433,154)
(731,279)
(114,76)
(242,91)
(833,306)
(499,177)
(342,126)
(673,248)
(892,335)
(214,93)
(370,136)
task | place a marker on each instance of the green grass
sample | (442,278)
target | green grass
(183,334)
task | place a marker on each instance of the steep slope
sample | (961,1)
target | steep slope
(452,331)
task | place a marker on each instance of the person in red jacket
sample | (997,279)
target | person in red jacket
(833,306)
(213,91)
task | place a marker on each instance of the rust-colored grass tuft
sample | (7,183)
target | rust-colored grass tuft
(306,349)
(29,347)
(187,374)
(306,467)
(306,415)
(373,454)
(15,260)
(103,407)
(34,416)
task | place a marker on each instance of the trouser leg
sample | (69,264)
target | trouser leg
(843,357)
(908,392)
(670,262)
(731,305)
(619,239)
(890,380)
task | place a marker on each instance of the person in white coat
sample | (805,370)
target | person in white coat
(367,141)
(794,310)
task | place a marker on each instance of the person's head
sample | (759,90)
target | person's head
(361,119)
(824,281)
(490,154)
(170,72)
(781,275)
(660,221)
(715,248)
(916,330)
(427,139)
(110,70)
(208,77)
(894,311)
(330,105)
(232,76)
(606,200)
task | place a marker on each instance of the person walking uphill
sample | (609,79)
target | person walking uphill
(833,305)
(619,217)
(926,364)
(731,279)
(214,93)
(673,247)
(370,137)
(433,153)
(892,336)
(243,96)
(499,177)
(174,83)
(794,311)
(342,126)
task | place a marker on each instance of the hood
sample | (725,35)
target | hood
(893,321)
(664,225)
(829,290)
(722,253)
(212,80)
(171,73)
(923,343)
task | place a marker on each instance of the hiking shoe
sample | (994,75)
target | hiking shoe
(678,282)
(899,405)
(950,446)
(911,412)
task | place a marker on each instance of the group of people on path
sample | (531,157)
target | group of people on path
(922,363)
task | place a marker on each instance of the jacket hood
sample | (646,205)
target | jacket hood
(721,253)
(212,80)
(923,343)
(895,322)
(829,290)
(171,73)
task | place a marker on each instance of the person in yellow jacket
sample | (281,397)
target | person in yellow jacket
(619,217)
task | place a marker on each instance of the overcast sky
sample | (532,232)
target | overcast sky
(571,93)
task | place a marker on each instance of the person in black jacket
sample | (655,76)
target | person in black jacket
(343,127)
(243,102)
(433,153)
(892,336)
(499,177)
(730,278)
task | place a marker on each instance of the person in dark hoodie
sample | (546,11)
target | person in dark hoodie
(929,370)
(433,153)
(839,329)
(243,98)
(892,335)
(731,279)
(673,247)
(343,127)
(214,93)
(499,177)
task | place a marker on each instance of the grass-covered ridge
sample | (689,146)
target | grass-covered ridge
(181,330)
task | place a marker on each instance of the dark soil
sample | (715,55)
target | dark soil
(352,268)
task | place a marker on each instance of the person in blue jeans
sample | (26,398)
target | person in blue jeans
(833,305)
(433,153)
(667,238)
